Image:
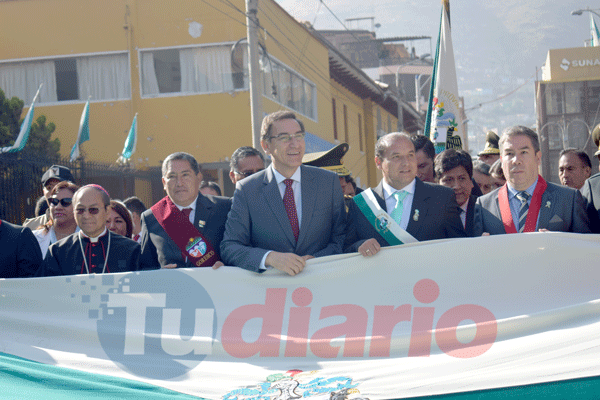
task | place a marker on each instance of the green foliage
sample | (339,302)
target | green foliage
(39,143)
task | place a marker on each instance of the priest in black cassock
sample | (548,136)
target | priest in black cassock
(94,249)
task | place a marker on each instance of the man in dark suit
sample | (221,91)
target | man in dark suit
(185,228)
(431,210)
(454,169)
(591,189)
(20,255)
(527,203)
(288,213)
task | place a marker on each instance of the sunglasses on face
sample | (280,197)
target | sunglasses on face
(63,202)
(91,210)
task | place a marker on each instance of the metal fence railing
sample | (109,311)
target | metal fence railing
(20,182)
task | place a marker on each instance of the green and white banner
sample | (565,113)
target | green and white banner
(491,317)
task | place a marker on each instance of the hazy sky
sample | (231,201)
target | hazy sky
(517,32)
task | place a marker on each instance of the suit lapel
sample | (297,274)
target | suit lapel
(546,208)
(273,198)
(420,203)
(470,215)
(203,207)
(308,198)
(378,190)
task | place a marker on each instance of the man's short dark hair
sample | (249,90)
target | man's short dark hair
(181,156)
(422,142)
(267,123)
(135,205)
(213,185)
(481,167)
(241,153)
(449,159)
(585,159)
(519,130)
(386,141)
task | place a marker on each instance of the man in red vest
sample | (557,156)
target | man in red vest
(185,228)
(527,203)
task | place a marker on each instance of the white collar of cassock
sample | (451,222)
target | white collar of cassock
(93,239)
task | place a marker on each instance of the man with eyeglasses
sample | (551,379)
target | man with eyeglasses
(287,213)
(94,249)
(245,161)
(184,229)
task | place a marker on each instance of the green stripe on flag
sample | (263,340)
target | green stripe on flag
(580,389)
(25,379)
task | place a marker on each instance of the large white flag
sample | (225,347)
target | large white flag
(506,316)
(444,116)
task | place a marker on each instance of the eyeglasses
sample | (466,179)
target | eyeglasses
(66,202)
(286,137)
(248,173)
(91,210)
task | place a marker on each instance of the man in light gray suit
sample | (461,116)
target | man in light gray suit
(287,213)
(527,203)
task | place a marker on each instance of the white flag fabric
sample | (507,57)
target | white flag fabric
(594,31)
(83,135)
(484,317)
(446,129)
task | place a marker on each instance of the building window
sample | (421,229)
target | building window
(360,133)
(554,99)
(284,86)
(98,77)
(573,94)
(334,112)
(66,79)
(346,135)
(205,69)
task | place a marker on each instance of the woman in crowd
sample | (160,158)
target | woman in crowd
(119,219)
(62,220)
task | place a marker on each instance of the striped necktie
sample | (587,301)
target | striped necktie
(523,197)
(396,213)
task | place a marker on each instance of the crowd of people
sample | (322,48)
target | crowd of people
(302,206)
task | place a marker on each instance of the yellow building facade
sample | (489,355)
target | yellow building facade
(182,68)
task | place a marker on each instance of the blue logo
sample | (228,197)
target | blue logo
(157,325)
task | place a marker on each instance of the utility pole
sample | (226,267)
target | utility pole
(254,72)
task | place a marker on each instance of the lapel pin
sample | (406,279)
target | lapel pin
(548,204)
(416,215)
(201,223)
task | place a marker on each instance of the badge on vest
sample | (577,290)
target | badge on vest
(382,223)
(196,247)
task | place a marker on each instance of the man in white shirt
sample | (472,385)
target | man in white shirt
(426,211)
(287,213)
(185,228)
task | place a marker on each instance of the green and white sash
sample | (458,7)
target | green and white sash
(381,220)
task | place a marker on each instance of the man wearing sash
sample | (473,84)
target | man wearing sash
(94,249)
(402,208)
(185,228)
(287,213)
(527,203)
